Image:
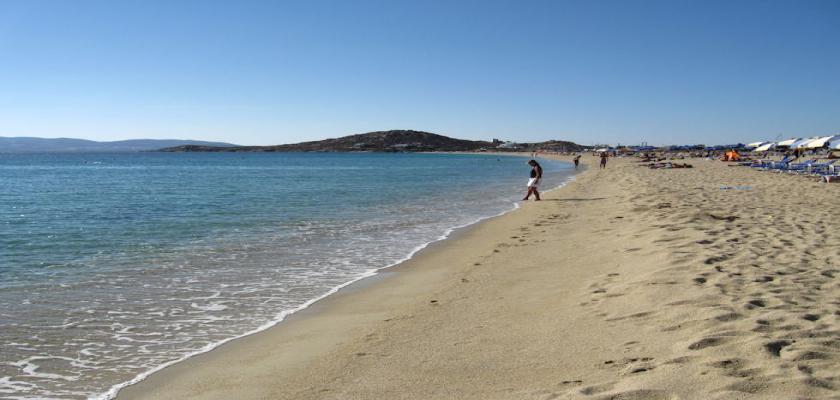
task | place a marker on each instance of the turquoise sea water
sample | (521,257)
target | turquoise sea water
(113,265)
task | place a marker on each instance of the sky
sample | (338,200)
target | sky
(251,72)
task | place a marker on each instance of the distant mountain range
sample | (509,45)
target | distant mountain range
(385,141)
(65,145)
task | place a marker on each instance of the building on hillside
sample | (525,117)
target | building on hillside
(509,146)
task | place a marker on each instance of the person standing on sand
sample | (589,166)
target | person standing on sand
(534,181)
(576,160)
(603,160)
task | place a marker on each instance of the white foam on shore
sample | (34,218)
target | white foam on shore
(114,390)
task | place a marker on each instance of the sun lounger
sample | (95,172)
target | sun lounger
(824,168)
(773,164)
(798,167)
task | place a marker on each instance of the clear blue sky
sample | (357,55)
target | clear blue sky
(279,72)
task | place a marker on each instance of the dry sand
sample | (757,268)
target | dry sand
(628,283)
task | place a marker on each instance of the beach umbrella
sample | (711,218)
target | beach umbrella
(834,143)
(802,143)
(821,142)
(601,150)
(787,143)
(754,145)
(765,147)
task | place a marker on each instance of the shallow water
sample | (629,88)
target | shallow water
(112,265)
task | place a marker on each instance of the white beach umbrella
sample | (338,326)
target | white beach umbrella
(765,147)
(801,143)
(820,142)
(601,150)
(834,143)
(787,143)
(755,144)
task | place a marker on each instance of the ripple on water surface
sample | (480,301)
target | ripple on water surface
(116,264)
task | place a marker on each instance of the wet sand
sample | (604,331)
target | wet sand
(708,283)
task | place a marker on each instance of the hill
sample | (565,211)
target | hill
(553,145)
(67,145)
(381,141)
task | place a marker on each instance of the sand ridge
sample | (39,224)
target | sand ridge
(628,283)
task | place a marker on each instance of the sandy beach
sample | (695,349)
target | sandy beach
(714,282)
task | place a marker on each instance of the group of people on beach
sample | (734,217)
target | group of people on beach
(537,172)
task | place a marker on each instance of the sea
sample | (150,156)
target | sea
(113,266)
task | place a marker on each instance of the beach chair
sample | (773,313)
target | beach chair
(758,163)
(798,167)
(825,168)
(755,163)
(773,164)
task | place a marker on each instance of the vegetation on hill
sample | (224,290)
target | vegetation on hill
(386,141)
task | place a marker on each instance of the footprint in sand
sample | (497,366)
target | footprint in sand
(775,347)
(595,389)
(757,303)
(706,342)
(811,317)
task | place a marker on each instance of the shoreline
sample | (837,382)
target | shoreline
(367,278)
(627,283)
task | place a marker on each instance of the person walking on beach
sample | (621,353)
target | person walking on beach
(534,181)
(576,160)
(603,160)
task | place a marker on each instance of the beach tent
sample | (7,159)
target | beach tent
(765,147)
(802,143)
(821,142)
(731,155)
(787,143)
(754,145)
